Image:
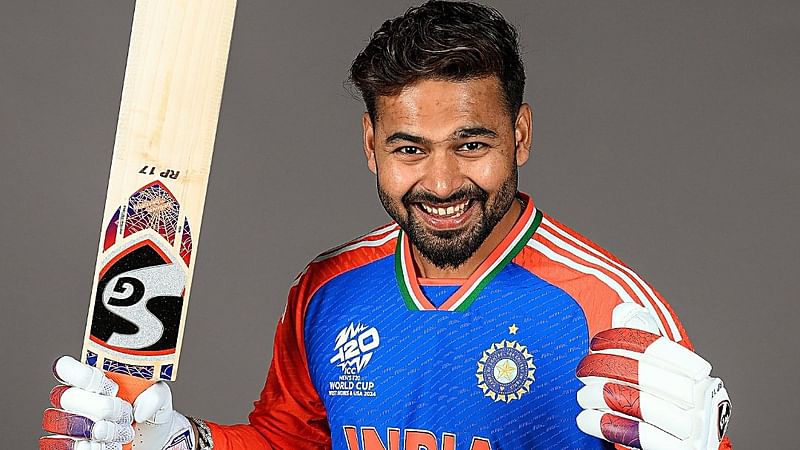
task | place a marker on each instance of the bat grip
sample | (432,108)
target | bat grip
(129,388)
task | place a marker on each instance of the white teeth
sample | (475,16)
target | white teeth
(450,210)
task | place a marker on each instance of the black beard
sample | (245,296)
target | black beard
(449,249)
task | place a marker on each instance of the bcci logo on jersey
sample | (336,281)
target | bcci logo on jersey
(505,371)
(353,350)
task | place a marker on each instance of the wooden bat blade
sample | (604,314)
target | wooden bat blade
(156,191)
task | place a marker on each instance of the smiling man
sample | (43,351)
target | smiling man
(446,154)
(473,320)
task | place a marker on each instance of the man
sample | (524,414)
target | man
(461,324)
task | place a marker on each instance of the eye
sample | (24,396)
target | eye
(473,146)
(408,150)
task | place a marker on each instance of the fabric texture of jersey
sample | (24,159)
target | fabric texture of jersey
(368,356)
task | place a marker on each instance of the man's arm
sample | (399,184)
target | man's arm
(289,413)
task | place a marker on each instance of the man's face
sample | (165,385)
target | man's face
(446,155)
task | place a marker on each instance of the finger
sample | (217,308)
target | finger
(608,428)
(72,372)
(627,432)
(68,443)
(61,422)
(600,367)
(74,425)
(660,350)
(634,403)
(150,404)
(94,406)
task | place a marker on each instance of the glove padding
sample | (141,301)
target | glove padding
(648,392)
(86,414)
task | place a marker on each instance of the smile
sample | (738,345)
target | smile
(446,217)
(449,211)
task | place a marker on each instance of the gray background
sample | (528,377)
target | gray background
(665,131)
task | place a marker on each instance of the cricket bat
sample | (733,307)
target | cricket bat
(162,156)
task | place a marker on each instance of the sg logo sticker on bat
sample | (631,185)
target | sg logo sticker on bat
(139,300)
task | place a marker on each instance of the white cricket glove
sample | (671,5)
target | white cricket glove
(87,415)
(645,391)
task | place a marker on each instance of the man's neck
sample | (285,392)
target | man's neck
(426,269)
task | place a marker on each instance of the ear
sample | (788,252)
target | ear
(523,134)
(369,142)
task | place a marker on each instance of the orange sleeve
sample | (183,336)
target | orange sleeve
(289,413)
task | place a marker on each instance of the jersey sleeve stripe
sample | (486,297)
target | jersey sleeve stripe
(619,279)
(596,299)
(630,277)
(542,246)
(358,244)
(635,295)
(375,234)
(349,247)
(381,230)
(634,276)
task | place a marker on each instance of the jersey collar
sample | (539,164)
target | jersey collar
(462,298)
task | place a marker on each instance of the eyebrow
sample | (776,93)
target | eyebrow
(474,132)
(462,133)
(401,136)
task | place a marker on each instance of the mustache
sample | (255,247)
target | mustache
(466,193)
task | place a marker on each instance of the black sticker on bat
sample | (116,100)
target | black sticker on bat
(139,301)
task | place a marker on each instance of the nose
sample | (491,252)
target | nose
(442,174)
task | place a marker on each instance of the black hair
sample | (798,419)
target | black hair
(440,40)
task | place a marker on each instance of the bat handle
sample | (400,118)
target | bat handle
(129,388)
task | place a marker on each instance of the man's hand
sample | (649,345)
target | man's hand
(648,392)
(86,415)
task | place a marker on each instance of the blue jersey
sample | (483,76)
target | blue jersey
(369,356)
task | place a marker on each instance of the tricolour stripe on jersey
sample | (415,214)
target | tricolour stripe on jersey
(460,300)
(414,299)
(632,279)
(497,263)
(558,250)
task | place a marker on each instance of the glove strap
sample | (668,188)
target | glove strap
(204,439)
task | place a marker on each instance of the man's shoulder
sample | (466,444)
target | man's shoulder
(565,236)
(557,242)
(606,288)
(369,247)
